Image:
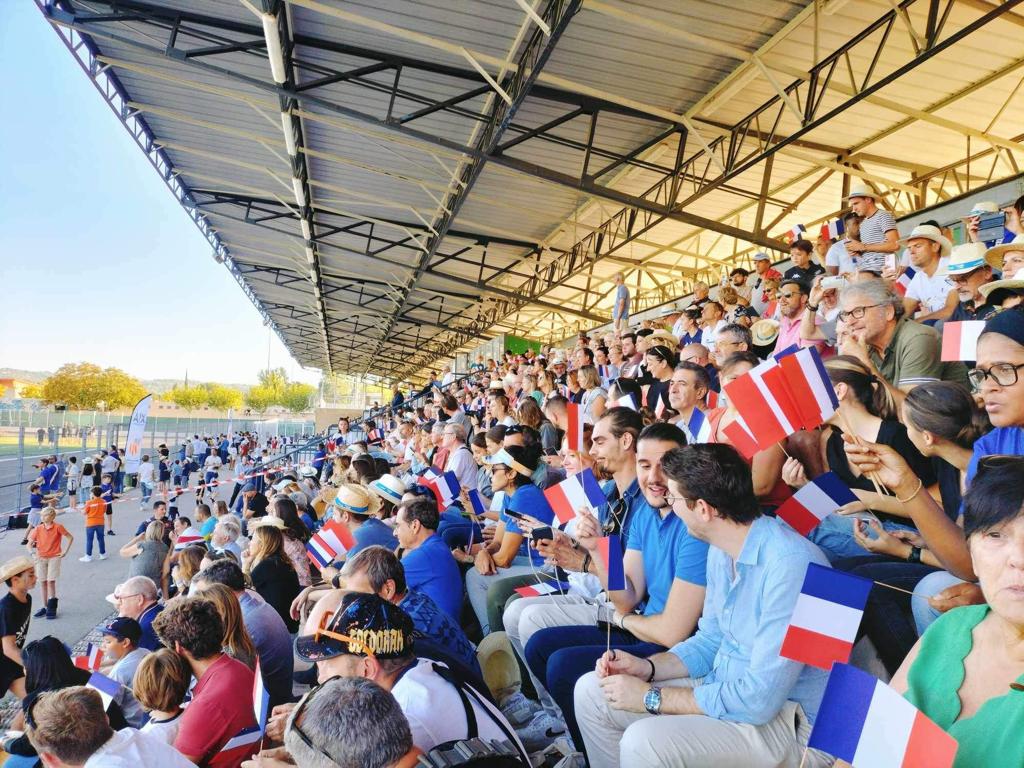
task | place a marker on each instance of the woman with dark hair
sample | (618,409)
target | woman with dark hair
(48,667)
(530,415)
(661,362)
(271,571)
(296,534)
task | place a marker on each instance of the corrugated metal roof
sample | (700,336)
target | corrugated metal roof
(666,139)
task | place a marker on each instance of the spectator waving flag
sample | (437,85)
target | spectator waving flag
(92,658)
(960,340)
(903,281)
(543,588)
(810,387)
(579,491)
(698,427)
(446,489)
(240,747)
(814,502)
(476,502)
(833,230)
(796,233)
(626,401)
(826,617)
(260,698)
(105,686)
(328,543)
(610,551)
(865,722)
(574,427)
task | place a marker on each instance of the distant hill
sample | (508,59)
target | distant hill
(156,386)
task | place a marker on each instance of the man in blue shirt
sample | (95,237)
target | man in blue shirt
(724,695)
(47,475)
(620,311)
(429,565)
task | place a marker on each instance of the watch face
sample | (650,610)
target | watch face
(652,700)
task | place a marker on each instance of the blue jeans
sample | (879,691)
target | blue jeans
(118,482)
(147,491)
(97,532)
(834,535)
(559,656)
(930,586)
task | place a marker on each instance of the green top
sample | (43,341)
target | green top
(934,684)
(913,357)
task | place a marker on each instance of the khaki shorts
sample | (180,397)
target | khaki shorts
(48,568)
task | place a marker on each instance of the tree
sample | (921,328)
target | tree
(188,398)
(275,380)
(260,398)
(296,396)
(31,392)
(223,398)
(121,390)
(85,386)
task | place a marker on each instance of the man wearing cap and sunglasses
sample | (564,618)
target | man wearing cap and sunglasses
(369,637)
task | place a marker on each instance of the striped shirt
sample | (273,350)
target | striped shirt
(872,231)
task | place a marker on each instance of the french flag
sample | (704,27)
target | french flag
(610,551)
(574,428)
(446,489)
(604,372)
(579,491)
(698,427)
(833,230)
(762,398)
(712,400)
(477,502)
(260,698)
(809,386)
(432,473)
(187,537)
(240,747)
(106,687)
(903,281)
(374,435)
(960,340)
(826,617)
(328,543)
(740,438)
(543,588)
(865,722)
(626,401)
(796,233)
(91,660)
(814,502)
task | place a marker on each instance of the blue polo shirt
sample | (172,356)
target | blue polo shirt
(372,532)
(431,569)
(149,640)
(107,492)
(528,500)
(35,501)
(48,474)
(668,551)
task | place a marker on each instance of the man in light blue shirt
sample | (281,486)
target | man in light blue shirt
(724,696)
(620,311)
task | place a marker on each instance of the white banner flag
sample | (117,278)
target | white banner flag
(136,430)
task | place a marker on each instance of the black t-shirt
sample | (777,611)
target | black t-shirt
(804,275)
(258,505)
(278,584)
(949,487)
(14,617)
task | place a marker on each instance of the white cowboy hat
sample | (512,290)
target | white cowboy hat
(965,258)
(930,232)
(861,190)
(388,487)
(356,499)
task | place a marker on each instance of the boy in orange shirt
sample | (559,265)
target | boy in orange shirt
(44,541)
(94,512)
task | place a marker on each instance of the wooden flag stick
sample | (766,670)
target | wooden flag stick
(872,476)
(898,589)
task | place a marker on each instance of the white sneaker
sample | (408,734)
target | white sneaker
(85,559)
(103,557)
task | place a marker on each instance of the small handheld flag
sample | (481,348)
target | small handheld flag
(903,281)
(740,438)
(574,427)
(446,489)
(92,658)
(328,543)
(796,233)
(626,401)
(610,552)
(579,491)
(260,698)
(698,427)
(712,400)
(865,722)
(105,686)
(833,230)
(242,745)
(960,340)
(477,502)
(814,502)
(823,628)
(543,588)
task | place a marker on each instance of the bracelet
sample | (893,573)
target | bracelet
(812,308)
(650,677)
(920,485)
(587,559)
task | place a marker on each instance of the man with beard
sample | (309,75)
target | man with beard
(792,305)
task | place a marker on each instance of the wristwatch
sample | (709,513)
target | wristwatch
(652,700)
(915,554)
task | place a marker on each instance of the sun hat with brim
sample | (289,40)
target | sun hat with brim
(930,232)
(271,521)
(982,207)
(15,566)
(861,190)
(388,487)
(364,624)
(669,311)
(356,500)
(997,291)
(994,255)
(557,361)
(307,471)
(764,332)
(965,258)
(505,458)
(282,484)
(497,386)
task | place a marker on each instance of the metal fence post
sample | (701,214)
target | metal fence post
(21,465)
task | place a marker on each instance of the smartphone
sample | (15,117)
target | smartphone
(516,515)
(542,533)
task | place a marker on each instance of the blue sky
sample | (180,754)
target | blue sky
(99,262)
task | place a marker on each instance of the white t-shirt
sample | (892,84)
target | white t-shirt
(710,334)
(840,258)
(164,730)
(129,748)
(146,471)
(212,463)
(435,713)
(932,291)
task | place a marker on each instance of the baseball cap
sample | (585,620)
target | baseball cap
(122,628)
(762,256)
(364,625)
(248,487)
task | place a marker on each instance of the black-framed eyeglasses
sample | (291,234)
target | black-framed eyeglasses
(856,313)
(297,729)
(1003,374)
(673,499)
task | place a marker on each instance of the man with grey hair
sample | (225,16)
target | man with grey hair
(733,338)
(136,598)
(225,537)
(900,352)
(460,457)
(348,722)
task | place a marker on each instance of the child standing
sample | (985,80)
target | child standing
(74,476)
(107,494)
(45,543)
(95,510)
(35,508)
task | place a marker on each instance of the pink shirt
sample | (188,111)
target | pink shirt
(789,334)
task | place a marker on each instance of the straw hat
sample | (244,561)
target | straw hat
(388,487)
(861,190)
(994,255)
(356,500)
(982,207)
(765,332)
(930,232)
(15,566)
(273,521)
(1010,285)
(664,338)
(558,360)
(965,258)
(308,471)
